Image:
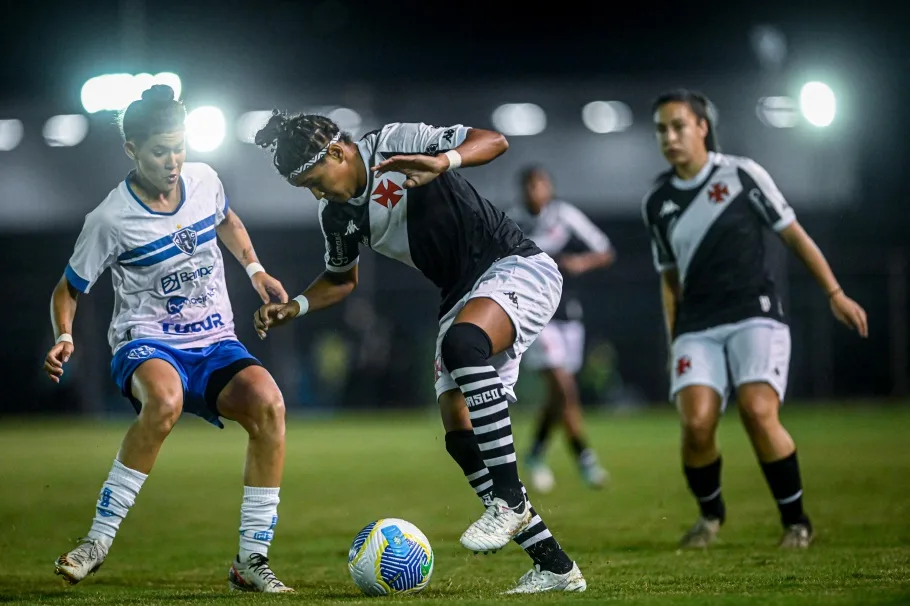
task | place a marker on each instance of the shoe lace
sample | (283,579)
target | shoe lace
(494,518)
(260,565)
(536,576)
(85,552)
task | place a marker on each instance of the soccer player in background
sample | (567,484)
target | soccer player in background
(708,217)
(578,246)
(396,191)
(172,332)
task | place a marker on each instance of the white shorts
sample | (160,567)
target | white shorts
(724,357)
(528,289)
(560,345)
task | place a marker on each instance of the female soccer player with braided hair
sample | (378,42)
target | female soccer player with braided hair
(707,219)
(396,191)
(173,331)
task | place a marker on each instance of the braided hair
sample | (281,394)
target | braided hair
(297,140)
(155,113)
(700,105)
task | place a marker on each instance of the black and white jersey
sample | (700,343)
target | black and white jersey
(713,229)
(445,228)
(560,228)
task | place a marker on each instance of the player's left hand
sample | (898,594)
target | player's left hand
(572,264)
(418,169)
(268,288)
(850,313)
(274,314)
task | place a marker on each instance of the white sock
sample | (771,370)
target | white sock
(258,517)
(117,496)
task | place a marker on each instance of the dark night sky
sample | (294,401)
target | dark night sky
(55,46)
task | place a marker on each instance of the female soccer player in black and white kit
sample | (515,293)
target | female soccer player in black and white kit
(396,191)
(564,232)
(707,219)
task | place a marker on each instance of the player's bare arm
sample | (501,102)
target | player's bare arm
(63,311)
(582,263)
(843,307)
(328,289)
(233,233)
(479,147)
(669,296)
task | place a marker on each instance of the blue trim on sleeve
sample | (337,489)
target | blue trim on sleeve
(79,283)
(226,207)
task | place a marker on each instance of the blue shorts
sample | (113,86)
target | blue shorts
(204,371)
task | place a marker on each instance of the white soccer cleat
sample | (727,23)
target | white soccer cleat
(542,478)
(594,475)
(255,575)
(496,527)
(82,561)
(539,581)
(703,533)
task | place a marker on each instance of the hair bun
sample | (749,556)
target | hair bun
(158,93)
(268,135)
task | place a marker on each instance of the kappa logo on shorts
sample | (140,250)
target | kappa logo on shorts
(512,297)
(140,353)
(683,365)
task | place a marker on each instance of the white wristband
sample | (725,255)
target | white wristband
(254,268)
(64,338)
(454,159)
(304,304)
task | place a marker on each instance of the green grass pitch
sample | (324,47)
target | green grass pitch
(176,545)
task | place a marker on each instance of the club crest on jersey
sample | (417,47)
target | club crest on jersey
(387,193)
(185,240)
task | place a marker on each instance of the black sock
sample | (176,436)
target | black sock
(540,438)
(578,444)
(536,539)
(704,482)
(466,350)
(787,488)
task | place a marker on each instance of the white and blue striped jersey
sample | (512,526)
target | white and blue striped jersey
(167,269)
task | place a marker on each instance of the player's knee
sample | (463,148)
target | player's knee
(699,431)
(758,407)
(162,409)
(266,412)
(465,345)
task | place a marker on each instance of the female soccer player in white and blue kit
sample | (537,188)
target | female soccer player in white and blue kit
(172,331)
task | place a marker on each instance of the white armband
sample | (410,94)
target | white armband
(64,338)
(304,304)
(454,159)
(253,268)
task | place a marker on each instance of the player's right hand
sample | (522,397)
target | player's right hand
(56,358)
(274,314)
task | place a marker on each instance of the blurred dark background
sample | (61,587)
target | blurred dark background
(571,86)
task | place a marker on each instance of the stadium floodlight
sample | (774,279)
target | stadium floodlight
(777,112)
(818,104)
(606,116)
(251,123)
(10,134)
(519,119)
(65,131)
(347,119)
(205,128)
(113,92)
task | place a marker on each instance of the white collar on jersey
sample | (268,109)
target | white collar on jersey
(698,179)
(297,172)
